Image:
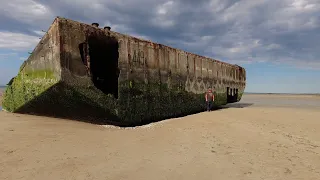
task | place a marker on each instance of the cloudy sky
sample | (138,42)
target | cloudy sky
(277,41)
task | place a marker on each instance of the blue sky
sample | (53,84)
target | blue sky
(278,42)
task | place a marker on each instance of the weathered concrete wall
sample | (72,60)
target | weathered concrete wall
(146,61)
(176,67)
(155,81)
(38,73)
(46,55)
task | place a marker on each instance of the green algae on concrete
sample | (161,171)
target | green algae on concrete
(138,103)
(155,101)
(240,93)
(35,94)
(25,87)
(76,102)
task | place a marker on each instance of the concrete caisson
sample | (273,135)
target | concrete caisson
(80,71)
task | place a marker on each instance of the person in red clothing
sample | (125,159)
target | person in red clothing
(209,99)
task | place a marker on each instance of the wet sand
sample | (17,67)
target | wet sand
(262,137)
(282,100)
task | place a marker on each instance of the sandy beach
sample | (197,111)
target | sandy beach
(274,137)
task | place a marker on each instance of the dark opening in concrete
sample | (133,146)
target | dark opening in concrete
(236,94)
(231,95)
(103,51)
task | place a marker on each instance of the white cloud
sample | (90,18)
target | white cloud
(163,15)
(17,41)
(235,31)
(303,5)
(25,10)
(39,33)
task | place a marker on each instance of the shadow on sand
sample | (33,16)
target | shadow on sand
(236,105)
(99,122)
(231,105)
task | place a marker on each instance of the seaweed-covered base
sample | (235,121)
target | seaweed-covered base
(138,103)
(79,103)
(25,87)
(61,100)
(141,103)
(239,96)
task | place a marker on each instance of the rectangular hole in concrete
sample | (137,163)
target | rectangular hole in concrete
(103,52)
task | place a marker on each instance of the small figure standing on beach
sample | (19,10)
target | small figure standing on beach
(209,99)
